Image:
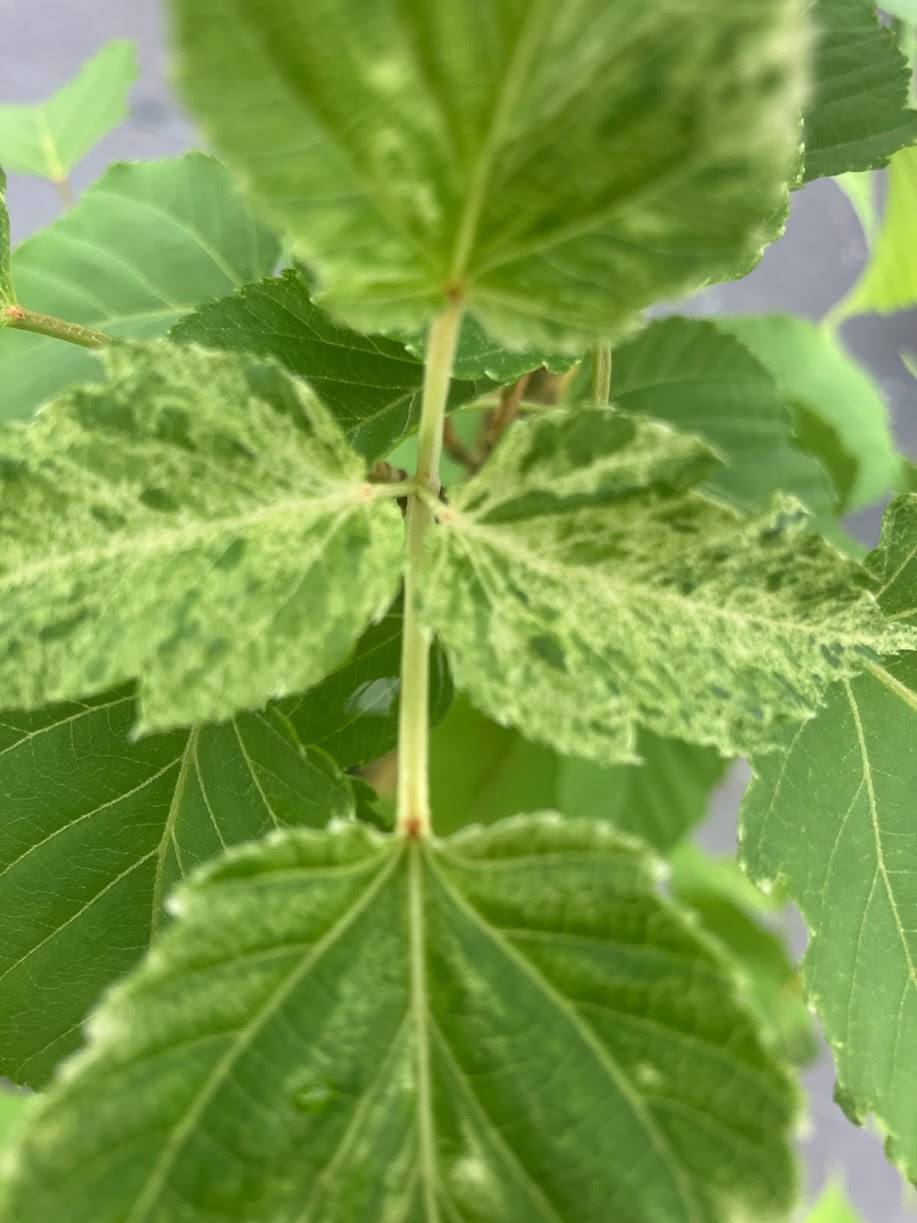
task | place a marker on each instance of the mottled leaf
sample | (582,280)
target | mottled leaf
(372,385)
(833,818)
(521,154)
(49,138)
(96,831)
(590,588)
(814,372)
(146,245)
(12,1108)
(505,1025)
(738,918)
(659,800)
(857,115)
(7,293)
(889,281)
(198,523)
(689,373)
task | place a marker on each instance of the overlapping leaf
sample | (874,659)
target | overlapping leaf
(889,281)
(200,524)
(857,116)
(49,138)
(689,373)
(589,589)
(833,817)
(97,830)
(372,385)
(827,386)
(505,1025)
(521,154)
(7,293)
(833,1207)
(146,245)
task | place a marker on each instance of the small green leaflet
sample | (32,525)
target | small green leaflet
(833,1207)
(49,138)
(690,374)
(823,381)
(371,385)
(7,293)
(590,589)
(508,1025)
(96,832)
(460,175)
(199,524)
(833,818)
(857,116)
(889,281)
(146,245)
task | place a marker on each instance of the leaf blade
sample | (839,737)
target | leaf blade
(462,177)
(479,917)
(146,244)
(833,818)
(581,541)
(188,478)
(49,138)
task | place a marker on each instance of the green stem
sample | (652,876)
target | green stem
(56,328)
(601,374)
(413,727)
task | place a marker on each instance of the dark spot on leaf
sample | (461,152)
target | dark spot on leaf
(233,554)
(158,499)
(548,650)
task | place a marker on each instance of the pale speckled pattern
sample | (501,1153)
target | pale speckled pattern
(199,524)
(590,589)
(508,1025)
(522,151)
(834,819)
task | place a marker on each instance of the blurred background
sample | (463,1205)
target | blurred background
(42,45)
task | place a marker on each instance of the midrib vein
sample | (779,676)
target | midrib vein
(168,832)
(426,1137)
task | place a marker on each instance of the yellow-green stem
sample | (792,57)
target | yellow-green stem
(601,374)
(57,328)
(413,727)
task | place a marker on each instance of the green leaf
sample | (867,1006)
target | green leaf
(689,373)
(861,192)
(905,9)
(814,371)
(589,589)
(49,138)
(506,1025)
(7,293)
(833,1207)
(12,1108)
(659,800)
(97,829)
(353,713)
(736,917)
(146,245)
(833,818)
(372,385)
(481,772)
(857,115)
(522,155)
(478,356)
(889,281)
(200,524)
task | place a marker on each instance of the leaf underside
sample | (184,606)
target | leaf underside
(833,817)
(199,524)
(521,153)
(590,589)
(370,384)
(506,1025)
(146,245)
(49,138)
